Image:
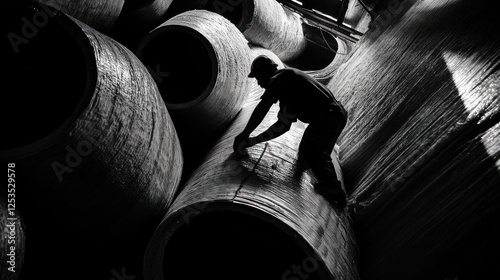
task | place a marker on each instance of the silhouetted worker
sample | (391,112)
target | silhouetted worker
(300,98)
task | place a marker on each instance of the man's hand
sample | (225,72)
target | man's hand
(243,141)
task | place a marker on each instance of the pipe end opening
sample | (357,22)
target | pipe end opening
(236,245)
(320,51)
(48,73)
(182,63)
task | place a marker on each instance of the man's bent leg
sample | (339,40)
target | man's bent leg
(316,148)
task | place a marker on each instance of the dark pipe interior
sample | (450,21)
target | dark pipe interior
(232,245)
(319,52)
(44,79)
(180,63)
(230,9)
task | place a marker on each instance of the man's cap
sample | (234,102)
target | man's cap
(260,63)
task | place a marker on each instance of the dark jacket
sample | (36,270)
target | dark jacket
(300,96)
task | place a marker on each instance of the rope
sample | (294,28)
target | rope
(324,39)
(251,172)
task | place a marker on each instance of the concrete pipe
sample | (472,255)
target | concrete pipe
(100,15)
(12,234)
(252,217)
(93,144)
(265,23)
(200,62)
(424,101)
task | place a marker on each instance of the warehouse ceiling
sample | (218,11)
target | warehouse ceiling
(343,17)
(335,9)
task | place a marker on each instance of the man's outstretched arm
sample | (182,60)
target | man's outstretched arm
(258,114)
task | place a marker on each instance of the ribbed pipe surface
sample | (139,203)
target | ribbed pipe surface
(264,23)
(100,15)
(270,25)
(423,95)
(181,6)
(95,150)
(201,62)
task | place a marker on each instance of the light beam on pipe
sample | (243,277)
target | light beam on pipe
(420,155)
(265,23)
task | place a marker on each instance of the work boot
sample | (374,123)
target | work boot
(334,193)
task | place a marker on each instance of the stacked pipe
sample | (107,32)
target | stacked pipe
(100,15)
(256,214)
(97,158)
(422,153)
(222,201)
(107,163)
(267,24)
(137,19)
(181,6)
(144,13)
(323,54)
(205,60)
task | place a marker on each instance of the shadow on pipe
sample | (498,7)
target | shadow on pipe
(97,158)
(227,244)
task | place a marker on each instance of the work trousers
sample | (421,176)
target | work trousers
(318,142)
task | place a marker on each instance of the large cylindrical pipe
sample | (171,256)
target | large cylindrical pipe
(100,15)
(93,144)
(200,61)
(424,96)
(265,23)
(255,216)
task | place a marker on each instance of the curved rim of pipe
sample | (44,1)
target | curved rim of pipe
(242,20)
(324,56)
(75,32)
(161,31)
(154,258)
